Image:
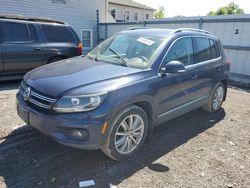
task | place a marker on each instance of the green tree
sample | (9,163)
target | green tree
(232,8)
(159,13)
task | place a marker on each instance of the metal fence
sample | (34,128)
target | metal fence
(232,30)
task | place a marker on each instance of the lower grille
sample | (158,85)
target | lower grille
(35,98)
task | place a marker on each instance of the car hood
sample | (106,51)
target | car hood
(60,77)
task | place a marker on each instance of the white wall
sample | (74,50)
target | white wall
(120,12)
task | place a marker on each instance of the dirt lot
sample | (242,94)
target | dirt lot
(195,150)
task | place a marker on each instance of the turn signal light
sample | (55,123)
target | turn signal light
(104,128)
(229,62)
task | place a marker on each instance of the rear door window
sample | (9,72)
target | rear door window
(182,51)
(202,49)
(215,53)
(33,33)
(55,33)
(15,32)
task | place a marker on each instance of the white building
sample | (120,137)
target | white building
(128,10)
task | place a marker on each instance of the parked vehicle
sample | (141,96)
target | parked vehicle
(113,97)
(27,43)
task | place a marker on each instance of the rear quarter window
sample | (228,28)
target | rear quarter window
(54,33)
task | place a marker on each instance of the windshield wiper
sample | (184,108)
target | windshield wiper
(124,62)
(98,53)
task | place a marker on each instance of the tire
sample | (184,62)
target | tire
(55,59)
(211,107)
(113,146)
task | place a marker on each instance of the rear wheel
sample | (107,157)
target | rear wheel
(128,134)
(216,100)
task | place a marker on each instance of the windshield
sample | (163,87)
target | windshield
(127,50)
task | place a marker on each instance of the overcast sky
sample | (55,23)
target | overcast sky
(192,7)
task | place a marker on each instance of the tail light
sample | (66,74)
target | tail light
(79,48)
(228,61)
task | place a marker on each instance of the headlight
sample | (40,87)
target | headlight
(81,103)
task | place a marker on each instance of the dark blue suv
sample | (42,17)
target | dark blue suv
(30,42)
(113,97)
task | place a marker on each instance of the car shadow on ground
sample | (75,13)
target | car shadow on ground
(9,85)
(29,159)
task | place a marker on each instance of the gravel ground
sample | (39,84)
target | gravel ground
(194,150)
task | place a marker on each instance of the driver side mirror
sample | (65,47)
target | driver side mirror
(173,67)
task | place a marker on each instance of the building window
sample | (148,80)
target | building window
(113,12)
(147,17)
(87,38)
(136,16)
(127,16)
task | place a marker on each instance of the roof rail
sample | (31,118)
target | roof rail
(30,18)
(190,29)
(135,28)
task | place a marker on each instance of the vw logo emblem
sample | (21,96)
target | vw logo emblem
(27,94)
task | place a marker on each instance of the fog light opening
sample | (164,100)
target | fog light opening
(76,134)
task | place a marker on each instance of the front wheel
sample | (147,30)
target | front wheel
(216,100)
(129,131)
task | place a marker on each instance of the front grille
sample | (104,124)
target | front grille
(35,98)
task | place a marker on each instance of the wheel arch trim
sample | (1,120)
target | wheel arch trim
(135,101)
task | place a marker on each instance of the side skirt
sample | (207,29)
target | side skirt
(180,110)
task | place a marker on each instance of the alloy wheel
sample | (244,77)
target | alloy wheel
(218,98)
(129,134)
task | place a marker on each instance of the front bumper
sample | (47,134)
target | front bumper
(59,126)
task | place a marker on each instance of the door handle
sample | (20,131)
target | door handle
(218,68)
(194,76)
(38,49)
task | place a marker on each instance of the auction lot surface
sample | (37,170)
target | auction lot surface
(194,150)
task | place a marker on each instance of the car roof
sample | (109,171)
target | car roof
(149,31)
(166,32)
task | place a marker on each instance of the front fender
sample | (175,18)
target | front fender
(119,104)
